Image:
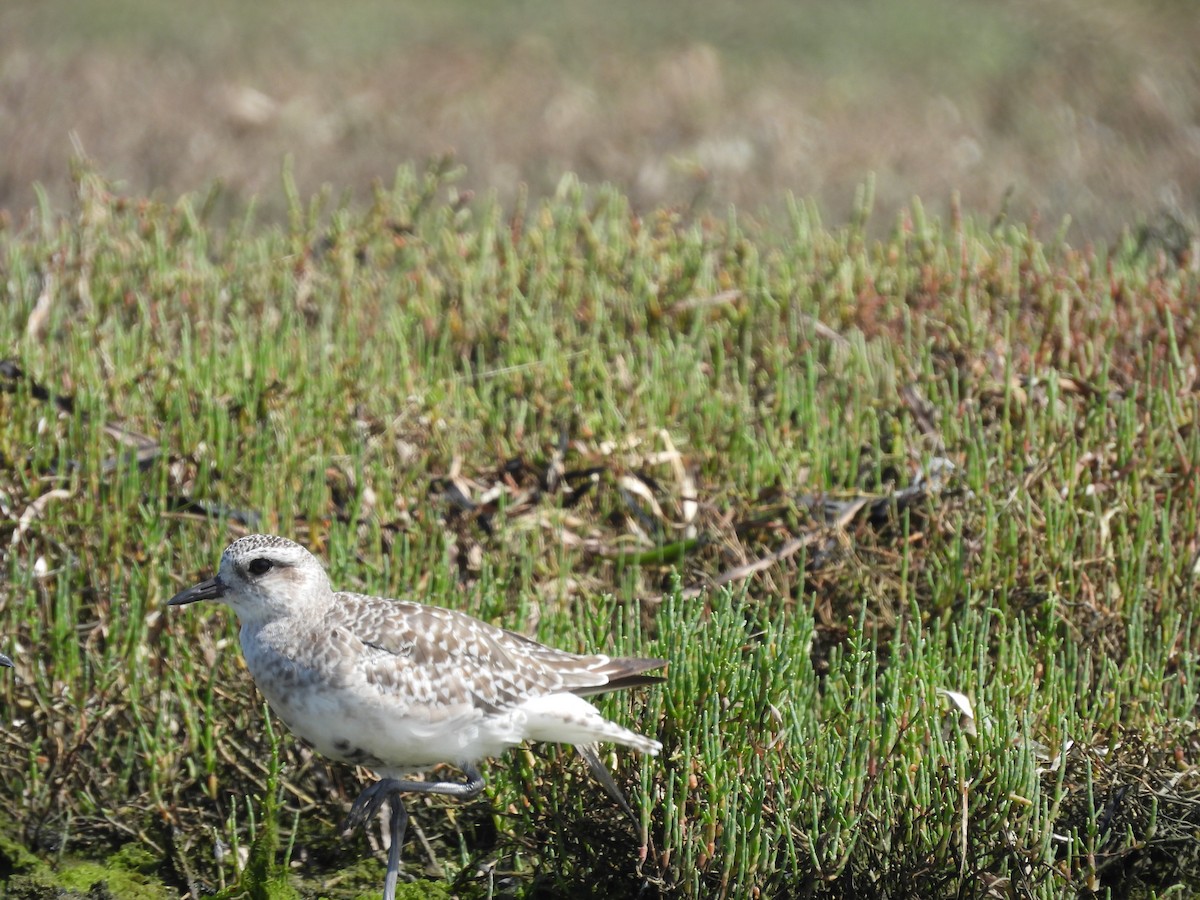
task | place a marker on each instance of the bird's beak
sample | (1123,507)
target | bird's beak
(4,660)
(213,589)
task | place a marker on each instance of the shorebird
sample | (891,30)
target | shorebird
(4,660)
(398,686)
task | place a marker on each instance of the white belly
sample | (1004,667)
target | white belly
(349,720)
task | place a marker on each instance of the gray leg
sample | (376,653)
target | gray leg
(371,800)
(399,822)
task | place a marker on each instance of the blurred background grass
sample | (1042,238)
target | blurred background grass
(1063,107)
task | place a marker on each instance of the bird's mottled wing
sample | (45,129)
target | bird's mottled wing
(443,657)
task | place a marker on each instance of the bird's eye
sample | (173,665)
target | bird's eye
(259,566)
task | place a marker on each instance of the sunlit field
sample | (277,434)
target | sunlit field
(843,355)
(913,520)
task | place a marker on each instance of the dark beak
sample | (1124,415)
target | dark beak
(4,660)
(213,589)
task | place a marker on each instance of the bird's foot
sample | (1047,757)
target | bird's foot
(371,800)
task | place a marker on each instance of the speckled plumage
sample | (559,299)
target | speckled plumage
(399,686)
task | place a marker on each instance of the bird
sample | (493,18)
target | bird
(5,661)
(400,687)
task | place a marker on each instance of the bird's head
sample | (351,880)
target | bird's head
(262,578)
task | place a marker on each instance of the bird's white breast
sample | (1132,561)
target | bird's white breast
(321,695)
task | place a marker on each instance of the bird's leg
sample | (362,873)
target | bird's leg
(399,822)
(371,800)
(367,805)
(591,755)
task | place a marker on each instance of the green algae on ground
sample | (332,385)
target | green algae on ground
(127,874)
(38,886)
(415,890)
(15,857)
(127,884)
(421,890)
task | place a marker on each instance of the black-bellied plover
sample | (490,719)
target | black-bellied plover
(400,687)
